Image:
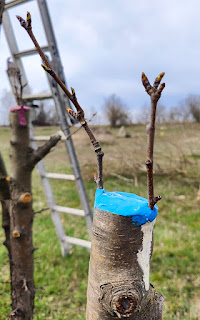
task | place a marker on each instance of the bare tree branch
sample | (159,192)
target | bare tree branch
(41,152)
(72,97)
(47,67)
(155,94)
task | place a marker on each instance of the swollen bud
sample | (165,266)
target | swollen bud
(22,21)
(71,112)
(28,19)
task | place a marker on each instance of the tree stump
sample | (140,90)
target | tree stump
(122,245)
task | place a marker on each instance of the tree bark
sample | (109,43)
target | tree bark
(118,284)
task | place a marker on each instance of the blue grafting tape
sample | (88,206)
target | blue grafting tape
(125,204)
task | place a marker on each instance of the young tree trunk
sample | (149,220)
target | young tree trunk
(21,219)
(118,284)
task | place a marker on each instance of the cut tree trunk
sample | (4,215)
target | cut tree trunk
(118,284)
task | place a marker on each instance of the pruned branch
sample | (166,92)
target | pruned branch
(155,94)
(79,116)
(41,152)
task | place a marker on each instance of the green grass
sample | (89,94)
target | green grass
(62,282)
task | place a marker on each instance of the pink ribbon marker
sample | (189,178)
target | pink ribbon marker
(21,114)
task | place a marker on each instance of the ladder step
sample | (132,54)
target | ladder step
(44,138)
(14,3)
(79,242)
(29,52)
(41,96)
(77,212)
(60,176)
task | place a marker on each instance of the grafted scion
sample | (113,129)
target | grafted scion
(155,94)
(79,116)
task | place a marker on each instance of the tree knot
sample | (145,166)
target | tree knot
(121,299)
(126,305)
(148,163)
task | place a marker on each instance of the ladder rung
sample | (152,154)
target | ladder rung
(44,138)
(77,212)
(79,242)
(41,96)
(60,176)
(14,3)
(29,52)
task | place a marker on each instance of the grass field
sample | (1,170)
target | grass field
(175,266)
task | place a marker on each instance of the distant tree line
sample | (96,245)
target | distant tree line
(117,113)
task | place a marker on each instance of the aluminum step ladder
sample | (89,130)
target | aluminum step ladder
(61,102)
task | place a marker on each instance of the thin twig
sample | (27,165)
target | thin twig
(41,210)
(71,134)
(72,97)
(155,93)
(13,313)
(18,94)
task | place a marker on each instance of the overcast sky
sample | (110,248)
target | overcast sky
(106,45)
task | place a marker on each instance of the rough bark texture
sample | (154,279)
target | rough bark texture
(116,287)
(21,219)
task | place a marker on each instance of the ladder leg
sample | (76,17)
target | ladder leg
(61,102)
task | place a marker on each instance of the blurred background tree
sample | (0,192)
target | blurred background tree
(116,111)
(193,105)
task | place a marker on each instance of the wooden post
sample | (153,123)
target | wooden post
(122,245)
